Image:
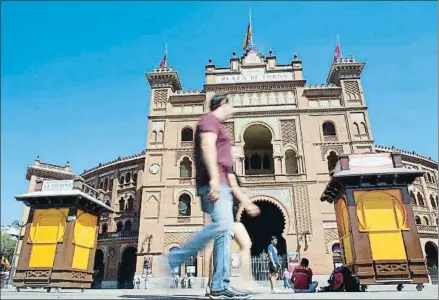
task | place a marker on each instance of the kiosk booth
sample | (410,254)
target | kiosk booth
(376,226)
(60,236)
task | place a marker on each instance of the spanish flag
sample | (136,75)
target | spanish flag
(248,37)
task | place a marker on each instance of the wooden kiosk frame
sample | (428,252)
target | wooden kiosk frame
(376,226)
(60,235)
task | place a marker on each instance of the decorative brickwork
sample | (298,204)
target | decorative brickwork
(230,127)
(325,149)
(180,153)
(331,234)
(303,212)
(160,99)
(289,134)
(176,238)
(352,90)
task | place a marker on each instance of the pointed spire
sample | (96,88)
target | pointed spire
(251,25)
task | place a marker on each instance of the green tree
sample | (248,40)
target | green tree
(7,246)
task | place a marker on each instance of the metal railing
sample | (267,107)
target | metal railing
(433,274)
(260,266)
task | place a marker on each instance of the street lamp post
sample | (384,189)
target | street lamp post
(21,226)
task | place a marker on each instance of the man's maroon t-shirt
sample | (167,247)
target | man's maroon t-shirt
(210,123)
(302,277)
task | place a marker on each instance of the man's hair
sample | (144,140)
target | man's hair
(216,100)
(304,262)
(273,238)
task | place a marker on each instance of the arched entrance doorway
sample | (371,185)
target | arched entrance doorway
(270,222)
(98,269)
(127,268)
(431,254)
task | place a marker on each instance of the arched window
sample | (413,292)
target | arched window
(135,178)
(121,205)
(154,137)
(363,128)
(357,128)
(332,160)
(420,199)
(425,220)
(186,168)
(104,228)
(105,183)
(413,198)
(266,162)
(119,226)
(418,220)
(432,202)
(101,185)
(187,135)
(336,248)
(429,177)
(110,183)
(130,204)
(121,180)
(329,129)
(160,136)
(128,178)
(184,205)
(291,166)
(255,162)
(128,225)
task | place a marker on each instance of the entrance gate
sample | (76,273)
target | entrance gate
(260,266)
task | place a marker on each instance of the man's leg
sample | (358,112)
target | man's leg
(218,227)
(222,213)
(311,288)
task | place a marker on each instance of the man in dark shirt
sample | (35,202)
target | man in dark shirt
(213,163)
(302,278)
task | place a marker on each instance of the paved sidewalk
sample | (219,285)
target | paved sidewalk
(381,292)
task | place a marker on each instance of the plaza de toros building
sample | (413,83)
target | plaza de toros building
(289,135)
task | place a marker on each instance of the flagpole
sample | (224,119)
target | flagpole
(338,43)
(166,54)
(251,26)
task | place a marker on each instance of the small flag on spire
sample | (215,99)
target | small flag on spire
(337,52)
(165,57)
(248,35)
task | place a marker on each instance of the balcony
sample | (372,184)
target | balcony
(117,236)
(427,229)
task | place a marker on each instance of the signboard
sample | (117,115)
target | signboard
(254,75)
(57,185)
(293,260)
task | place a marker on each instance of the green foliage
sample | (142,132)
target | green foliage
(7,246)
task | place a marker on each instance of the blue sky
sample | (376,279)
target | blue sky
(72,73)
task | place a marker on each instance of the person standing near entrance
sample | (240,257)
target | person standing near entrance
(213,163)
(274,263)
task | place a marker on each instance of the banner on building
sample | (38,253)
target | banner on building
(293,260)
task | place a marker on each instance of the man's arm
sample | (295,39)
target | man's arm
(237,191)
(209,153)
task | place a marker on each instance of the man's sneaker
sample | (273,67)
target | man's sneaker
(228,294)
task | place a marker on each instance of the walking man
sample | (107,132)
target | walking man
(213,163)
(274,263)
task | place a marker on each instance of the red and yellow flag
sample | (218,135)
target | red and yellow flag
(248,37)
